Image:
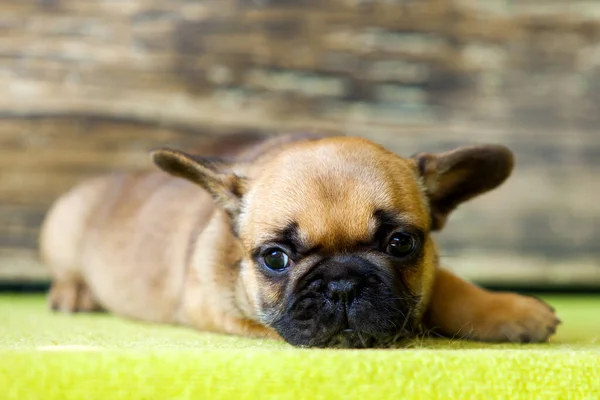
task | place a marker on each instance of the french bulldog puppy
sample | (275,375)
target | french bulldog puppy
(320,241)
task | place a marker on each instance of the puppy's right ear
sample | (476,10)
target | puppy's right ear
(455,176)
(214,175)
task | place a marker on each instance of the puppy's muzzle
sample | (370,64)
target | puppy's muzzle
(345,301)
(343,290)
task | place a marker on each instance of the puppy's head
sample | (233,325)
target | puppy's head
(336,232)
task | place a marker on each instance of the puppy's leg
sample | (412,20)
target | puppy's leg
(72,296)
(61,243)
(460,309)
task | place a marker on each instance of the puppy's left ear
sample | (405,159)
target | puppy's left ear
(456,176)
(216,176)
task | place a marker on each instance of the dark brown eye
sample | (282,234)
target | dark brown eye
(401,244)
(275,259)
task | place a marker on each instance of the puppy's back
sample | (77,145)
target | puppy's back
(66,223)
(123,241)
(105,213)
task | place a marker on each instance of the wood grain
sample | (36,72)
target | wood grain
(90,86)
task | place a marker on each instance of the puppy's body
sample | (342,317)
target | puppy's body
(162,249)
(149,247)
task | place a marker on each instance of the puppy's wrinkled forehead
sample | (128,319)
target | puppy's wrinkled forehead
(332,191)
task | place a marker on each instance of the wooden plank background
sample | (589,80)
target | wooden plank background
(90,86)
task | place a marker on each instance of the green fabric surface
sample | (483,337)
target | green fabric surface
(50,356)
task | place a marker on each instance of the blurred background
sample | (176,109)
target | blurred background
(89,86)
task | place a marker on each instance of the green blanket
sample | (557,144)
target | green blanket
(48,356)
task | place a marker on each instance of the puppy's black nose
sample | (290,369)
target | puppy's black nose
(344,290)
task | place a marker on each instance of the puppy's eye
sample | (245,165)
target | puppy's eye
(401,244)
(276,259)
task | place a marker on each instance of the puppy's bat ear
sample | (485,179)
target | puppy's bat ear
(214,175)
(456,176)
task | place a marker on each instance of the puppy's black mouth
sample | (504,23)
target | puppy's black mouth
(375,319)
(347,301)
(322,331)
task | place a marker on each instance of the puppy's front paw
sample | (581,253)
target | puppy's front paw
(516,318)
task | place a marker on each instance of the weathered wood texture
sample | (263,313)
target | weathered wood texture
(91,85)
